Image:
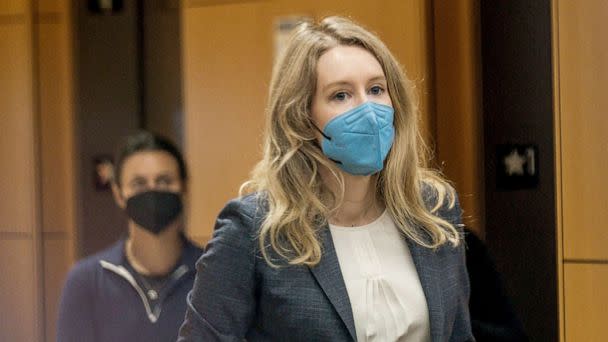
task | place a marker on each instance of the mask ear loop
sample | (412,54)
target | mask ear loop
(326,137)
(320,131)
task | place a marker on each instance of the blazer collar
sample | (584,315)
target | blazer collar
(328,275)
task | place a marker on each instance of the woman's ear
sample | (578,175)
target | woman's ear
(118,198)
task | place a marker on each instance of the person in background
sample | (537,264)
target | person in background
(342,233)
(493,318)
(136,289)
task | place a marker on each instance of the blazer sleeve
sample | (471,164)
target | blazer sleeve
(222,303)
(461,330)
(75,320)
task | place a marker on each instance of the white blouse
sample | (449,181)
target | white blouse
(386,297)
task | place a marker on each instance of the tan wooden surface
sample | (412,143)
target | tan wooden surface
(19,285)
(17,289)
(581,107)
(586,292)
(16,128)
(459,137)
(57,261)
(583,72)
(12,7)
(57,151)
(37,175)
(56,126)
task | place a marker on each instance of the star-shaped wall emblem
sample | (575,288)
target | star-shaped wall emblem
(514,163)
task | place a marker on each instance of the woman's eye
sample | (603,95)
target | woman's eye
(376,90)
(340,96)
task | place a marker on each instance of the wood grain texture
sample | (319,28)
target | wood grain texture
(57,262)
(37,176)
(58,6)
(583,72)
(17,203)
(56,127)
(17,291)
(57,154)
(586,293)
(459,135)
(12,7)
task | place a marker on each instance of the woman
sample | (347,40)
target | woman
(345,235)
(136,289)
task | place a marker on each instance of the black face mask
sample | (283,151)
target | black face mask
(154,210)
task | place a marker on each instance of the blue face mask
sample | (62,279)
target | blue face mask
(359,140)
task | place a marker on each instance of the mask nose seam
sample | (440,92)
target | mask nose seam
(378,140)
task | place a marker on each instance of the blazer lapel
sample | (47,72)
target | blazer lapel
(328,275)
(428,272)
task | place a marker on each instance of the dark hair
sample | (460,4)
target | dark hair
(146,141)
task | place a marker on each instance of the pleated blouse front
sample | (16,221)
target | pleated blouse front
(386,296)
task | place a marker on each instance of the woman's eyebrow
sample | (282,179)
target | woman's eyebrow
(334,84)
(377,78)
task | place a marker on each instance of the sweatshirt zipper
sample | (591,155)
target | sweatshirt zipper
(124,273)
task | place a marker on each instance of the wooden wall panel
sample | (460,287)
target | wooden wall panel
(58,6)
(19,211)
(12,7)
(56,123)
(36,180)
(459,136)
(17,290)
(581,68)
(586,302)
(225,91)
(16,129)
(227,61)
(56,134)
(57,261)
(583,72)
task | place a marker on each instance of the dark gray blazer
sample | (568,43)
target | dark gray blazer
(237,295)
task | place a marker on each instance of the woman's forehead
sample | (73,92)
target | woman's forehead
(343,63)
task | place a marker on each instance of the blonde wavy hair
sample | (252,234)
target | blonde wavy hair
(288,179)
